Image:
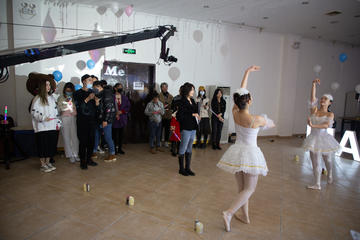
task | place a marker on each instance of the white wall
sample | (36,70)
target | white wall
(280,89)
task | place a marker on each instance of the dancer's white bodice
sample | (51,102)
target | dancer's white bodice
(246,136)
(320,120)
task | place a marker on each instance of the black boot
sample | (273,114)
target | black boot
(218,146)
(173,149)
(187,164)
(83,164)
(181,166)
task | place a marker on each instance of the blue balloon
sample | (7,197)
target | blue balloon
(342,57)
(77,87)
(90,64)
(57,75)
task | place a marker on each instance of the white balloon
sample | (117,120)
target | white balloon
(317,68)
(357,88)
(174,73)
(334,86)
(198,36)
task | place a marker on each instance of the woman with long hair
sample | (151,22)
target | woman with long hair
(319,142)
(46,123)
(244,159)
(188,117)
(218,106)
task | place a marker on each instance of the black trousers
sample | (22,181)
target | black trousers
(166,126)
(217,126)
(86,136)
(118,136)
(203,129)
(46,142)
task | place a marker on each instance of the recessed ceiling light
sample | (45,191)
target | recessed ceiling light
(265,18)
(333,13)
(333,22)
(304,2)
(206,6)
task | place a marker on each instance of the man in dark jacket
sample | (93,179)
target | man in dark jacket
(85,121)
(106,113)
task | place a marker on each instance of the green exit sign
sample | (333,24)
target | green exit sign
(129,51)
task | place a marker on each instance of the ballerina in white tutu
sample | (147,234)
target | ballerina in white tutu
(244,158)
(319,142)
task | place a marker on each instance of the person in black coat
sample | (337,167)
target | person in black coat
(85,121)
(188,117)
(218,106)
(106,114)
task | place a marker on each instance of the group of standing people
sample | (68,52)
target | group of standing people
(97,107)
(83,116)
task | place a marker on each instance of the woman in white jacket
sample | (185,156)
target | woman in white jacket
(46,123)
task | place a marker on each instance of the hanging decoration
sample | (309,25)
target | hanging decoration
(129,10)
(343,57)
(198,36)
(335,86)
(57,75)
(81,65)
(90,64)
(174,73)
(27,10)
(48,30)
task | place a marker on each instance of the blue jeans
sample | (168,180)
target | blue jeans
(155,133)
(187,140)
(107,136)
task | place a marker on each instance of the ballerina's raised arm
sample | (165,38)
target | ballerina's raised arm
(246,75)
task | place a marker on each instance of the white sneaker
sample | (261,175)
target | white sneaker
(77,159)
(51,167)
(100,150)
(72,160)
(45,168)
(166,144)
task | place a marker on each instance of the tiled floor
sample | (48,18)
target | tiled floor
(47,206)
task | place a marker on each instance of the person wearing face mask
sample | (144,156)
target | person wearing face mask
(122,105)
(204,129)
(106,114)
(86,121)
(67,110)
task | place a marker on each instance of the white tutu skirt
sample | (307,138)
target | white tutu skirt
(321,142)
(243,158)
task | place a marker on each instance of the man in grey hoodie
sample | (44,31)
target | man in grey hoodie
(154,110)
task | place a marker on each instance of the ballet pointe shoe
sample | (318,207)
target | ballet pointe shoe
(242,219)
(227,220)
(330,179)
(314,187)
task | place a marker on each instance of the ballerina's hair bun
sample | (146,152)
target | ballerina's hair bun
(241,100)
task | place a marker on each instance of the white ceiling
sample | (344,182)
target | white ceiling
(284,16)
